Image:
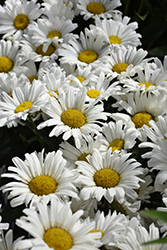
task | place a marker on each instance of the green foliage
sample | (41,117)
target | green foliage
(158,215)
(152,19)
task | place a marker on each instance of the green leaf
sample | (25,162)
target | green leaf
(159,241)
(158,215)
(142,17)
(158,51)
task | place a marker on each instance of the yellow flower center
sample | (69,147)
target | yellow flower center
(142,118)
(81,79)
(120,67)
(23,106)
(96,231)
(95,8)
(31,78)
(147,84)
(115,40)
(93,93)
(51,49)
(116,145)
(21,22)
(106,178)
(42,185)
(58,239)
(83,157)
(6,64)
(54,33)
(87,56)
(73,118)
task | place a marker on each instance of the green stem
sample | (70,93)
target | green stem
(35,130)
(140,7)
(126,7)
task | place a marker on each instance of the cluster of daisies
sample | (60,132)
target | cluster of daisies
(106,99)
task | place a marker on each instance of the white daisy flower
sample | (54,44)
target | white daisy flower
(7,242)
(34,71)
(55,227)
(102,88)
(39,178)
(59,8)
(159,64)
(142,108)
(79,76)
(157,129)
(54,80)
(145,188)
(72,153)
(30,52)
(135,235)
(16,17)
(46,32)
(158,161)
(10,60)
(111,176)
(116,32)
(109,226)
(23,101)
(10,81)
(117,136)
(87,50)
(125,61)
(70,115)
(102,8)
(146,80)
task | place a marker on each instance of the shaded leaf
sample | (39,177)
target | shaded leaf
(159,241)
(158,215)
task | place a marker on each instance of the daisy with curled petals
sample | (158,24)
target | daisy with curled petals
(124,61)
(117,136)
(136,234)
(53,80)
(87,50)
(101,89)
(16,17)
(109,176)
(109,226)
(116,32)
(56,227)
(146,80)
(46,32)
(10,81)
(70,115)
(102,8)
(72,153)
(29,51)
(58,9)
(141,109)
(23,101)
(38,178)
(10,60)
(79,76)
